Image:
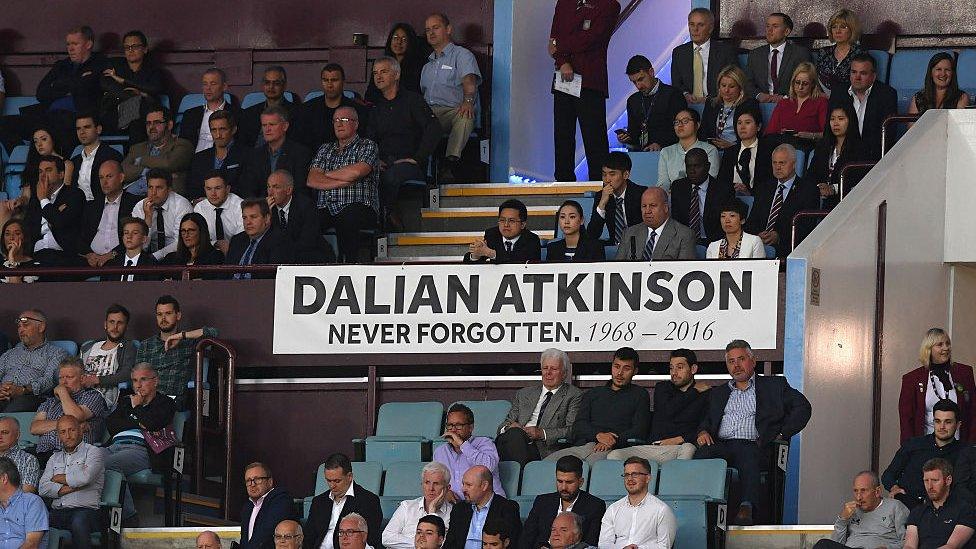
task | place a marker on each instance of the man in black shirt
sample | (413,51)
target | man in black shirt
(314,124)
(946,519)
(650,110)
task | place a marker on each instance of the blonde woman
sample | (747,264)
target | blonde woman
(804,113)
(834,61)
(718,126)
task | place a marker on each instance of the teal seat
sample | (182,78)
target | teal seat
(147,477)
(644,167)
(24,420)
(767,111)
(525,504)
(705,478)
(488,415)
(403,429)
(748,200)
(13,103)
(606,481)
(69,347)
(801,162)
(510,471)
(389,506)
(696,490)
(539,477)
(404,479)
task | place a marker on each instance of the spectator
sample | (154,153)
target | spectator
(296,216)
(834,61)
(28,370)
(169,352)
(10,448)
(869,520)
(658,237)
(260,243)
(195,127)
(273,84)
(266,507)
(316,121)
(465,451)
(288,535)
(743,419)
(88,162)
(17,251)
(612,415)
(841,145)
(697,197)
(73,479)
(410,53)
(619,205)
(221,209)
(227,156)
(941,88)
(495,535)
(946,518)
(449,82)
(277,153)
(109,362)
(43,143)
(133,76)
(679,406)
(871,100)
(25,512)
(161,150)
(638,519)
(56,219)
(803,114)
(103,216)
(162,210)
(736,243)
(353,532)
(576,244)
(671,165)
(72,85)
(135,234)
(528,433)
(697,66)
(748,162)
(344,498)
(770,67)
(344,173)
(718,119)
(578,41)
(650,109)
(481,506)
(402,530)
(568,498)
(431,533)
(142,411)
(936,378)
(509,242)
(777,201)
(567,532)
(70,398)
(208,539)
(195,247)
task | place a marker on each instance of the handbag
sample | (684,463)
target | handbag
(161,440)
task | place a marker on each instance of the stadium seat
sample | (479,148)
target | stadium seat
(510,472)
(610,251)
(403,429)
(881,57)
(368,474)
(17,159)
(403,479)
(696,490)
(69,347)
(770,252)
(389,506)
(767,112)
(24,421)
(254,98)
(908,73)
(3,195)
(13,103)
(644,169)
(539,477)
(112,494)
(488,415)
(748,200)
(319,93)
(706,478)
(606,482)
(698,107)
(966,69)
(801,162)
(743,59)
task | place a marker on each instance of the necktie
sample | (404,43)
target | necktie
(218,224)
(125,278)
(542,409)
(776,207)
(743,167)
(160,229)
(773,71)
(246,259)
(282,219)
(694,212)
(649,247)
(619,221)
(508,246)
(698,73)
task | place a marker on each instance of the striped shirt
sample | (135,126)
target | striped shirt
(35,368)
(332,156)
(26,463)
(739,420)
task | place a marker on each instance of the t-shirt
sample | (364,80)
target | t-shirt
(102,363)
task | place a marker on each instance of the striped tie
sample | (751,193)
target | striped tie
(649,247)
(694,212)
(619,221)
(776,207)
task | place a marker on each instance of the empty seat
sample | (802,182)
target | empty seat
(488,415)
(510,471)
(13,103)
(404,479)
(69,347)
(767,111)
(644,169)
(12,185)
(706,478)
(402,429)
(700,251)
(696,490)
(748,200)
(17,159)
(368,474)
(389,506)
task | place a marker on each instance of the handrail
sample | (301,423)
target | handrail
(626,13)
(894,119)
(225,418)
(843,171)
(185,271)
(801,215)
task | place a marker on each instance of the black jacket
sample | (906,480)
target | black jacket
(193,119)
(820,172)
(249,127)
(535,532)
(93,217)
(363,502)
(905,468)
(404,127)
(254,181)
(588,249)
(277,506)
(275,248)
(145,259)
(314,125)
(716,196)
(203,163)
(677,413)
(501,509)
(104,152)
(632,199)
(81,82)
(803,196)
(763,169)
(303,231)
(526,248)
(780,409)
(964,472)
(709,124)
(65,216)
(663,107)
(882,103)
(153,416)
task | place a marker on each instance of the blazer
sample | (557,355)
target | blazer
(717,195)
(709,123)
(720,55)
(193,119)
(203,163)
(557,419)
(249,127)
(675,242)
(632,199)
(501,509)
(294,157)
(752,247)
(780,409)
(175,158)
(125,358)
(104,152)
(803,196)
(588,249)
(93,217)
(145,258)
(275,248)
(526,248)
(853,151)
(757,68)
(763,169)
(65,216)
(882,103)
(535,532)
(911,401)
(363,502)
(277,507)
(668,101)
(303,231)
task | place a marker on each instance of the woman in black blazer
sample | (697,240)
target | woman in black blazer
(194,247)
(841,145)
(717,125)
(576,244)
(735,171)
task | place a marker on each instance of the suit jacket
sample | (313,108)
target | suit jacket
(803,196)
(535,533)
(249,127)
(668,101)
(145,258)
(527,248)
(716,196)
(275,248)
(582,32)
(709,123)
(104,152)
(303,231)
(203,163)
(757,68)
(65,216)
(780,409)
(674,242)
(277,507)
(193,119)
(363,502)
(557,419)
(93,217)
(294,157)
(175,158)
(588,249)
(501,509)
(720,55)
(763,170)
(820,172)
(882,103)
(911,401)
(632,198)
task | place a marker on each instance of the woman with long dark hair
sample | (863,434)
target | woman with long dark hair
(576,244)
(16,247)
(841,145)
(941,89)
(410,51)
(194,246)
(43,143)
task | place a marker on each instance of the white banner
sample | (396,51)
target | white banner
(524,308)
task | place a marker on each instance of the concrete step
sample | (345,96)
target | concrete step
(486,195)
(473,219)
(445,244)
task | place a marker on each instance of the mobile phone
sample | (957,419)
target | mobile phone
(619,131)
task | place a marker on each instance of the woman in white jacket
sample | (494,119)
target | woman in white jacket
(736,244)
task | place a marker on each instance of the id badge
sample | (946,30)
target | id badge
(586,24)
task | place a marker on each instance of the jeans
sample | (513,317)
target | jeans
(127,459)
(81,521)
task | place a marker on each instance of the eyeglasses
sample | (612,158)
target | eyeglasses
(350,533)
(401,39)
(255,480)
(683,121)
(286,537)
(453,426)
(133,47)
(508,220)
(344,120)
(274,82)
(803,83)
(635,475)
(25,319)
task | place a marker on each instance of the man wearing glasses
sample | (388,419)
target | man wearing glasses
(353,531)
(288,535)
(266,509)
(328,522)
(509,242)
(273,85)
(638,519)
(27,371)
(464,451)
(161,150)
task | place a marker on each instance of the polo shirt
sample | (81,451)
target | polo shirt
(936,525)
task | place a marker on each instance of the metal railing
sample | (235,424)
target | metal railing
(841,185)
(805,214)
(183,272)
(889,123)
(225,415)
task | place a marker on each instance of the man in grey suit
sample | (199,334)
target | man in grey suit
(715,56)
(770,67)
(658,237)
(538,419)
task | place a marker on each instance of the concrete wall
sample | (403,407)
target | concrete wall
(962,314)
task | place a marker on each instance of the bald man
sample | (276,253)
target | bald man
(480,498)
(288,535)
(658,237)
(208,539)
(9,448)
(103,215)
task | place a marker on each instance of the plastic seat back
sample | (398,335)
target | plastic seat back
(644,169)
(69,346)
(488,415)
(511,472)
(539,477)
(24,420)
(404,479)
(13,103)
(418,419)
(606,482)
(112,490)
(694,477)
(368,474)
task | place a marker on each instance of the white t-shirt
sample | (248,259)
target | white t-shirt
(102,363)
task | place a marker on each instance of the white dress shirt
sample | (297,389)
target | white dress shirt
(619,200)
(534,420)
(132,261)
(860,107)
(85,172)
(402,529)
(779,65)
(47,240)
(174,209)
(334,519)
(703,49)
(649,525)
(231,216)
(752,163)
(107,237)
(205,141)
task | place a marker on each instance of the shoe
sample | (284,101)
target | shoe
(744,516)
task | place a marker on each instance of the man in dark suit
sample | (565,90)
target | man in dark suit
(135,232)
(260,243)
(273,85)
(658,236)
(478,494)
(89,160)
(715,56)
(568,496)
(56,219)
(619,205)
(697,199)
(226,156)
(103,217)
(314,125)
(744,417)
(777,201)
(273,506)
(277,153)
(295,215)
(650,110)
(344,497)
(770,67)
(509,242)
(873,101)
(194,127)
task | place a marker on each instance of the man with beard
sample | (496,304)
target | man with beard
(567,498)
(27,371)
(162,150)
(638,519)
(108,362)
(946,519)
